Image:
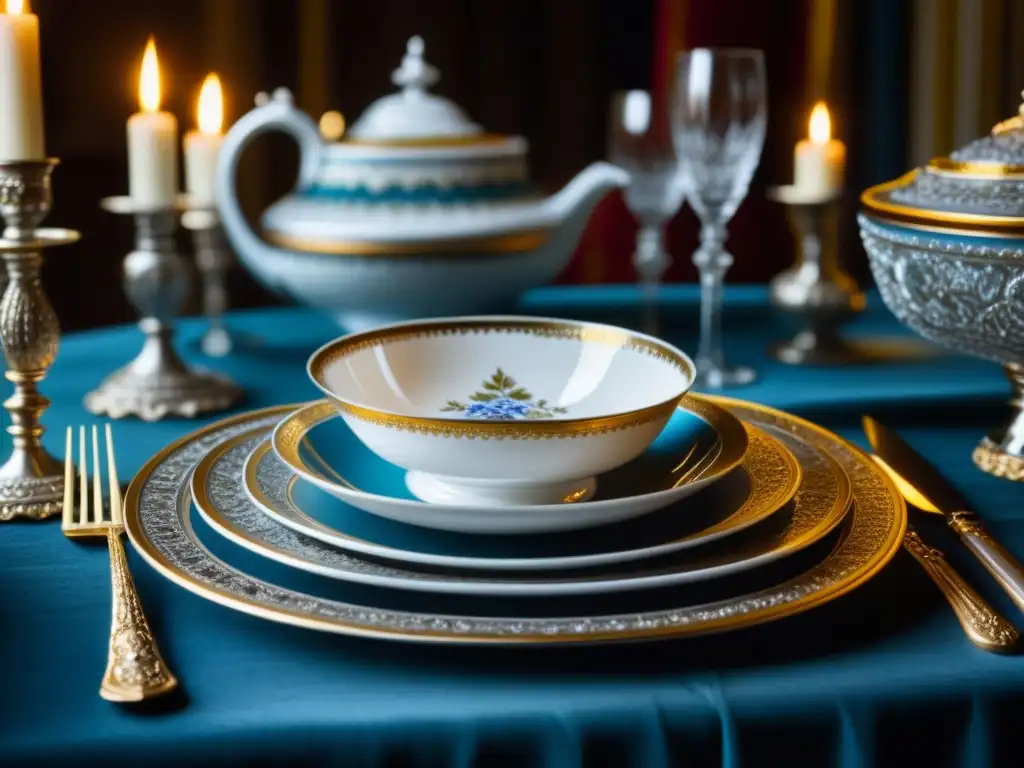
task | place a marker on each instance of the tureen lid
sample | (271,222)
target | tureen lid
(978,188)
(413,113)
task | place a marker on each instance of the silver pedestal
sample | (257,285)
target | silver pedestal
(213,258)
(157,383)
(816,289)
(31,480)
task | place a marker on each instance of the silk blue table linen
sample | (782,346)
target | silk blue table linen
(883,676)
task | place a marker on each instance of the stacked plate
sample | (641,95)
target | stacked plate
(523,461)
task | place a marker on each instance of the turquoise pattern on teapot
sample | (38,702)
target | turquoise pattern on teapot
(419,195)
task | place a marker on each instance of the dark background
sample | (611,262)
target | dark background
(541,68)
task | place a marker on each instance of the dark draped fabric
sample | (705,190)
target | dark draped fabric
(542,69)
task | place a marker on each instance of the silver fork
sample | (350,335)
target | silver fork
(135,668)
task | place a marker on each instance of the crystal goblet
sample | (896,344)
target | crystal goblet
(640,142)
(719,112)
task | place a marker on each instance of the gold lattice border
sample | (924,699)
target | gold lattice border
(511,430)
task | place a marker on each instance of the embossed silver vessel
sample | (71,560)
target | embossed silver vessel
(946,246)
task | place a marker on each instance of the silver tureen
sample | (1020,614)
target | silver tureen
(946,246)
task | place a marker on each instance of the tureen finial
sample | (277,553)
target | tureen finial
(415,74)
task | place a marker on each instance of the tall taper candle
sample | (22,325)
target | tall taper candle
(819,160)
(203,145)
(152,142)
(21,91)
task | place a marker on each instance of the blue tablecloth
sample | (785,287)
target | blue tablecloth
(880,676)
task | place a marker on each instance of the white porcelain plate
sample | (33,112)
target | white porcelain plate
(219,495)
(700,444)
(763,483)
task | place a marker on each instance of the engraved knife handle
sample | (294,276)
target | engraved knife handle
(135,668)
(981,623)
(994,556)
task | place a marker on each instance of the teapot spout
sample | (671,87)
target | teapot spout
(572,205)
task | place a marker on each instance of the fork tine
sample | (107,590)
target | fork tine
(68,510)
(83,479)
(97,484)
(116,514)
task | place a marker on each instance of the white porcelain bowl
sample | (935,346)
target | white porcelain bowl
(503,410)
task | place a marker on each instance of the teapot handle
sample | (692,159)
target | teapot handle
(276,112)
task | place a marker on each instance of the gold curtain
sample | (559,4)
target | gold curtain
(821,46)
(966,72)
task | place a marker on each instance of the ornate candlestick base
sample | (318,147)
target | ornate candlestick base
(31,480)
(157,383)
(213,257)
(815,288)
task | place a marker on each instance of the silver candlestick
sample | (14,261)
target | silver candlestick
(31,480)
(213,258)
(157,383)
(816,289)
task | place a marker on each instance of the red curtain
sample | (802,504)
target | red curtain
(759,236)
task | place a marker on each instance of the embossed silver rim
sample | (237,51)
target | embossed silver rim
(269,482)
(218,493)
(158,503)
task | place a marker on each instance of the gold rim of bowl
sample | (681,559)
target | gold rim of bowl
(975,169)
(514,430)
(876,204)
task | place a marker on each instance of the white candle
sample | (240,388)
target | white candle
(202,146)
(819,161)
(152,142)
(21,91)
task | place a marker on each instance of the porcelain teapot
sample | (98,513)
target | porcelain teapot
(416,212)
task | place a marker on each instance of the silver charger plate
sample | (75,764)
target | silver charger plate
(158,509)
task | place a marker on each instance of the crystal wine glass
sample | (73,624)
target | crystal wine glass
(719,111)
(640,142)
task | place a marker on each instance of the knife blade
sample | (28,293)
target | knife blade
(923,486)
(914,469)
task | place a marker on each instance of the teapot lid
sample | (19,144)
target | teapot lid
(413,115)
(978,188)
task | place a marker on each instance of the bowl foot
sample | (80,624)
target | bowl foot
(457,491)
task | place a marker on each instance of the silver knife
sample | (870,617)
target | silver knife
(926,489)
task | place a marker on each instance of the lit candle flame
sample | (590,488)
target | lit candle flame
(149,79)
(17,7)
(821,124)
(210,112)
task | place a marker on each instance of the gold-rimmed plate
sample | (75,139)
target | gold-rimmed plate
(218,492)
(764,482)
(158,519)
(700,444)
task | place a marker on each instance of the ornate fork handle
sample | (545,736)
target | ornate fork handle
(135,668)
(983,626)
